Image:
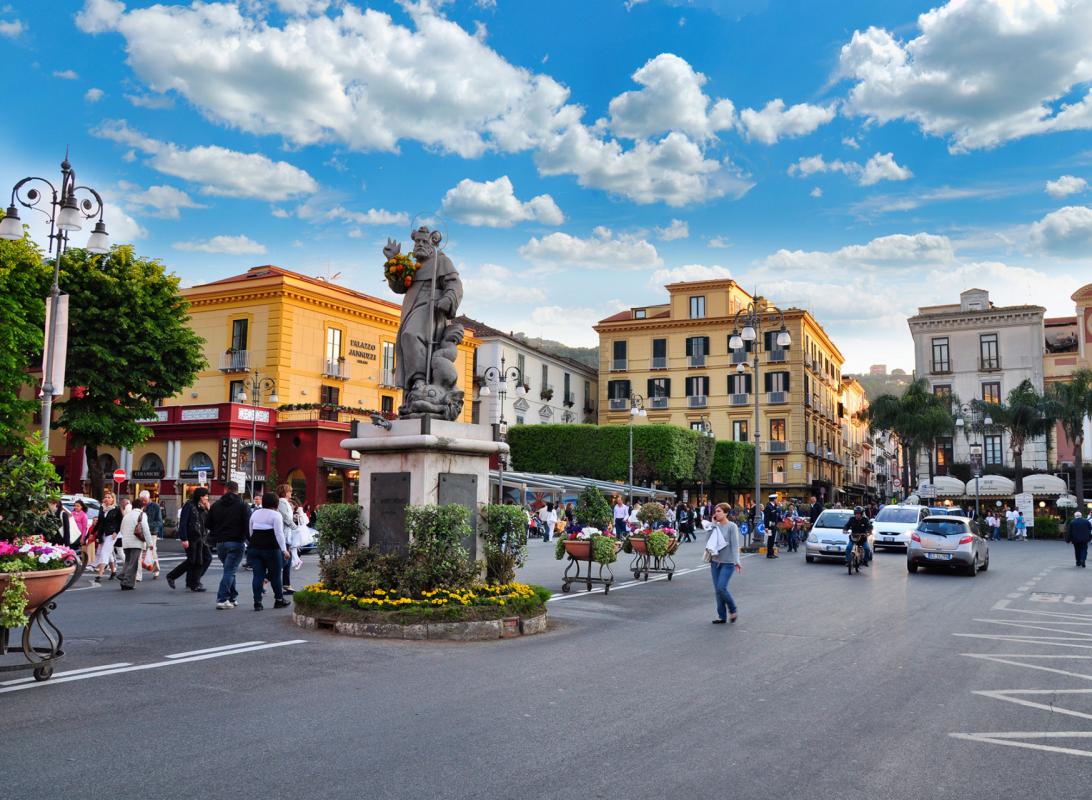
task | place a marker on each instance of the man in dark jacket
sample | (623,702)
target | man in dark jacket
(1080,532)
(193,531)
(229,524)
(770,518)
(816,509)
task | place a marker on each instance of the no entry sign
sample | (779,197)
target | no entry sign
(119,476)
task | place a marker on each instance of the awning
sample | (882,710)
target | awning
(1042,483)
(946,486)
(991,486)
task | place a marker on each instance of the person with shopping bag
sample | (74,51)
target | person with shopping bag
(722,553)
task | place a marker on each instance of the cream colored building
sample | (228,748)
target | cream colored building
(675,357)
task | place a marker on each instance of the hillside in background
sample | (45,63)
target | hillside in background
(875,385)
(585,355)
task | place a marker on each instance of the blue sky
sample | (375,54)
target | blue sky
(856,158)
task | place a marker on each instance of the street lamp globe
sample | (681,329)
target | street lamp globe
(735,342)
(484,391)
(11,228)
(520,391)
(241,397)
(783,338)
(748,334)
(987,421)
(99,243)
(959,422)
(741,368)
(273,398)
(68,219)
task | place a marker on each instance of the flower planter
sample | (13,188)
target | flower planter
(578,548)
(40,585)
(644,563)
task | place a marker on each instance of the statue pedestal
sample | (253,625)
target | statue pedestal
(417,462)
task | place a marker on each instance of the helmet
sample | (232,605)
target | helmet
(858,510)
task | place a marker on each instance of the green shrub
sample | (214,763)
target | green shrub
(340,527)
(362,571)
(603,549)
(27,483)
(651,513)
(504,531)
(592,509)
(541,592)
(1047,528)
(436,558)
(657,544)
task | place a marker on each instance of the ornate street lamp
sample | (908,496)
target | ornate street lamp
(747,328)
(257,386)
(66,214)
(636,409)
(500,377)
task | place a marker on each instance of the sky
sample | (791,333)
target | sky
(858,159)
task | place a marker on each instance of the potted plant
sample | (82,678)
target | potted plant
(588,544)
(546,394)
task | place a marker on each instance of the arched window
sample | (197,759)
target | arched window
(298,481)
(151,462)
(199,460)
(107,463)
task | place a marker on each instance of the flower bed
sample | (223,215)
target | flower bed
(478,603)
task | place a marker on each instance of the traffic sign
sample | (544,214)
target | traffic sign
(202,477)
(119,476)
(897,483)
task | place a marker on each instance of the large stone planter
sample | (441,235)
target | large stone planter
(474,631)
(41,585)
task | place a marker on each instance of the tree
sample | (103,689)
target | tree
(24,283)
(916,418)
(1071,404)
(128,347)
(1026,415)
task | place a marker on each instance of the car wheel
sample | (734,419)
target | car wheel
(810,559)
(985,566)
(973,569)
(911,567)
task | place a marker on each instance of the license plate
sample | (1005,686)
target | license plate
(832,548)
(939,556)
(889,538)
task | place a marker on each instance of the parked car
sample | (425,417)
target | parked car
(826,540)
(947,542)
(893,524)
(92,505)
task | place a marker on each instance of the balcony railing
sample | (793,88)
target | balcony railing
(386,378)
(778,447)
(235,361)
(659,362)
(658,402)
(810,448)
(618,403)
(336,368)
(739,399)
(777,477)
(777,356)
(696,361)
(740,356)
(697,401)
(989,364)
(940,367)
(777,397)
(570,399)
(618,365)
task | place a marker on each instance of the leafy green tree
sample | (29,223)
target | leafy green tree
(1071,403)
(24,283)
(129,346)
(917,418)
(1026,415)
(27,483)
(592,509)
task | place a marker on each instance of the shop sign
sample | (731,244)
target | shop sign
(195,474)
(147,474)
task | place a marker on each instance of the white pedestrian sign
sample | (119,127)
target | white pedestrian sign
(202,477)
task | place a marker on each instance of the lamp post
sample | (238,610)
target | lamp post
(965,414)
(747,328)
(636,409)
(705,429)
(66,214)
(500,376)
(257,386)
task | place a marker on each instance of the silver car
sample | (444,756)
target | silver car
(948,542)
(826,540)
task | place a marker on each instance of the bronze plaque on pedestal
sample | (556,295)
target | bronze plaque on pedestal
(387,518)
(462,488)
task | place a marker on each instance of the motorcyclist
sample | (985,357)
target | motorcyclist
(858,527)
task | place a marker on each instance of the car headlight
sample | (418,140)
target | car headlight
(812,538)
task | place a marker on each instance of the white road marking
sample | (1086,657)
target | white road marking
(69,672)
(1008,695)
(1056,641)
(1007,740)
(213,649)
(1059,614)
(1003,658)
(1042,626)
(141,667)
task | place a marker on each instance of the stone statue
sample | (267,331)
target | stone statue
(428,339)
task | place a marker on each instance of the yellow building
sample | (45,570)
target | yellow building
(856,442)
(675,356)
(1067,347)
(327,354)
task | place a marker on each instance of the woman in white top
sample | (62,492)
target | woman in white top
(267,550)
(551,521)
(135,535)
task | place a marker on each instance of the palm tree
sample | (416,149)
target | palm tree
(1026,415)
(1071,403)
(935,421)
(918,418)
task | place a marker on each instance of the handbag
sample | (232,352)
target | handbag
(706,556)
(136,531)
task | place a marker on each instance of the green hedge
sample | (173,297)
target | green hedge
(665,453)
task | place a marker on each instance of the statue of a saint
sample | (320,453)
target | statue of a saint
(428,338)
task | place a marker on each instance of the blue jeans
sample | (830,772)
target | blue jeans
(230,554)
(864,547)
(722,573)
(620,527)
(268,563)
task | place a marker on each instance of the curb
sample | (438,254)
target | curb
(476,631)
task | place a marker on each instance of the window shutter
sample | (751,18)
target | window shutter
(689,347)
(667,387)
(705,385)
(787,377)
(747,383)
(767,381)
(705,345)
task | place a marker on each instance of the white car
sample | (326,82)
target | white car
(825,539)
(893,525)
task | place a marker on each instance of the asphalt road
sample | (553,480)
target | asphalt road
(829,686)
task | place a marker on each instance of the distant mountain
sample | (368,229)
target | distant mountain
(588,356)
(875,385)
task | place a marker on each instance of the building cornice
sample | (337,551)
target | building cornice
(1003,317)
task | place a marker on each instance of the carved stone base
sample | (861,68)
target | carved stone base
(432,401)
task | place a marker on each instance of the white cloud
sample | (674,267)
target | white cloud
(93,95)
(165,202)
(302,7)
(881,167)
(66,74)
(850,142)
(688,272)
(281,213)
(99,16)
(816,192)
(1066,233)
(232,245)
(494,204)
(603,250)
(978,95)
(373,216)
(569,323)
(671,99)
(775,122)
(719,243)
(678,229)
(1065,186)
(491,281)
(12,29)
(897,251)
(217,170)
(156,101)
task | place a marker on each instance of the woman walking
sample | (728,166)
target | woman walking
(267,550)
(79,519)
(723,547)
(107,525)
